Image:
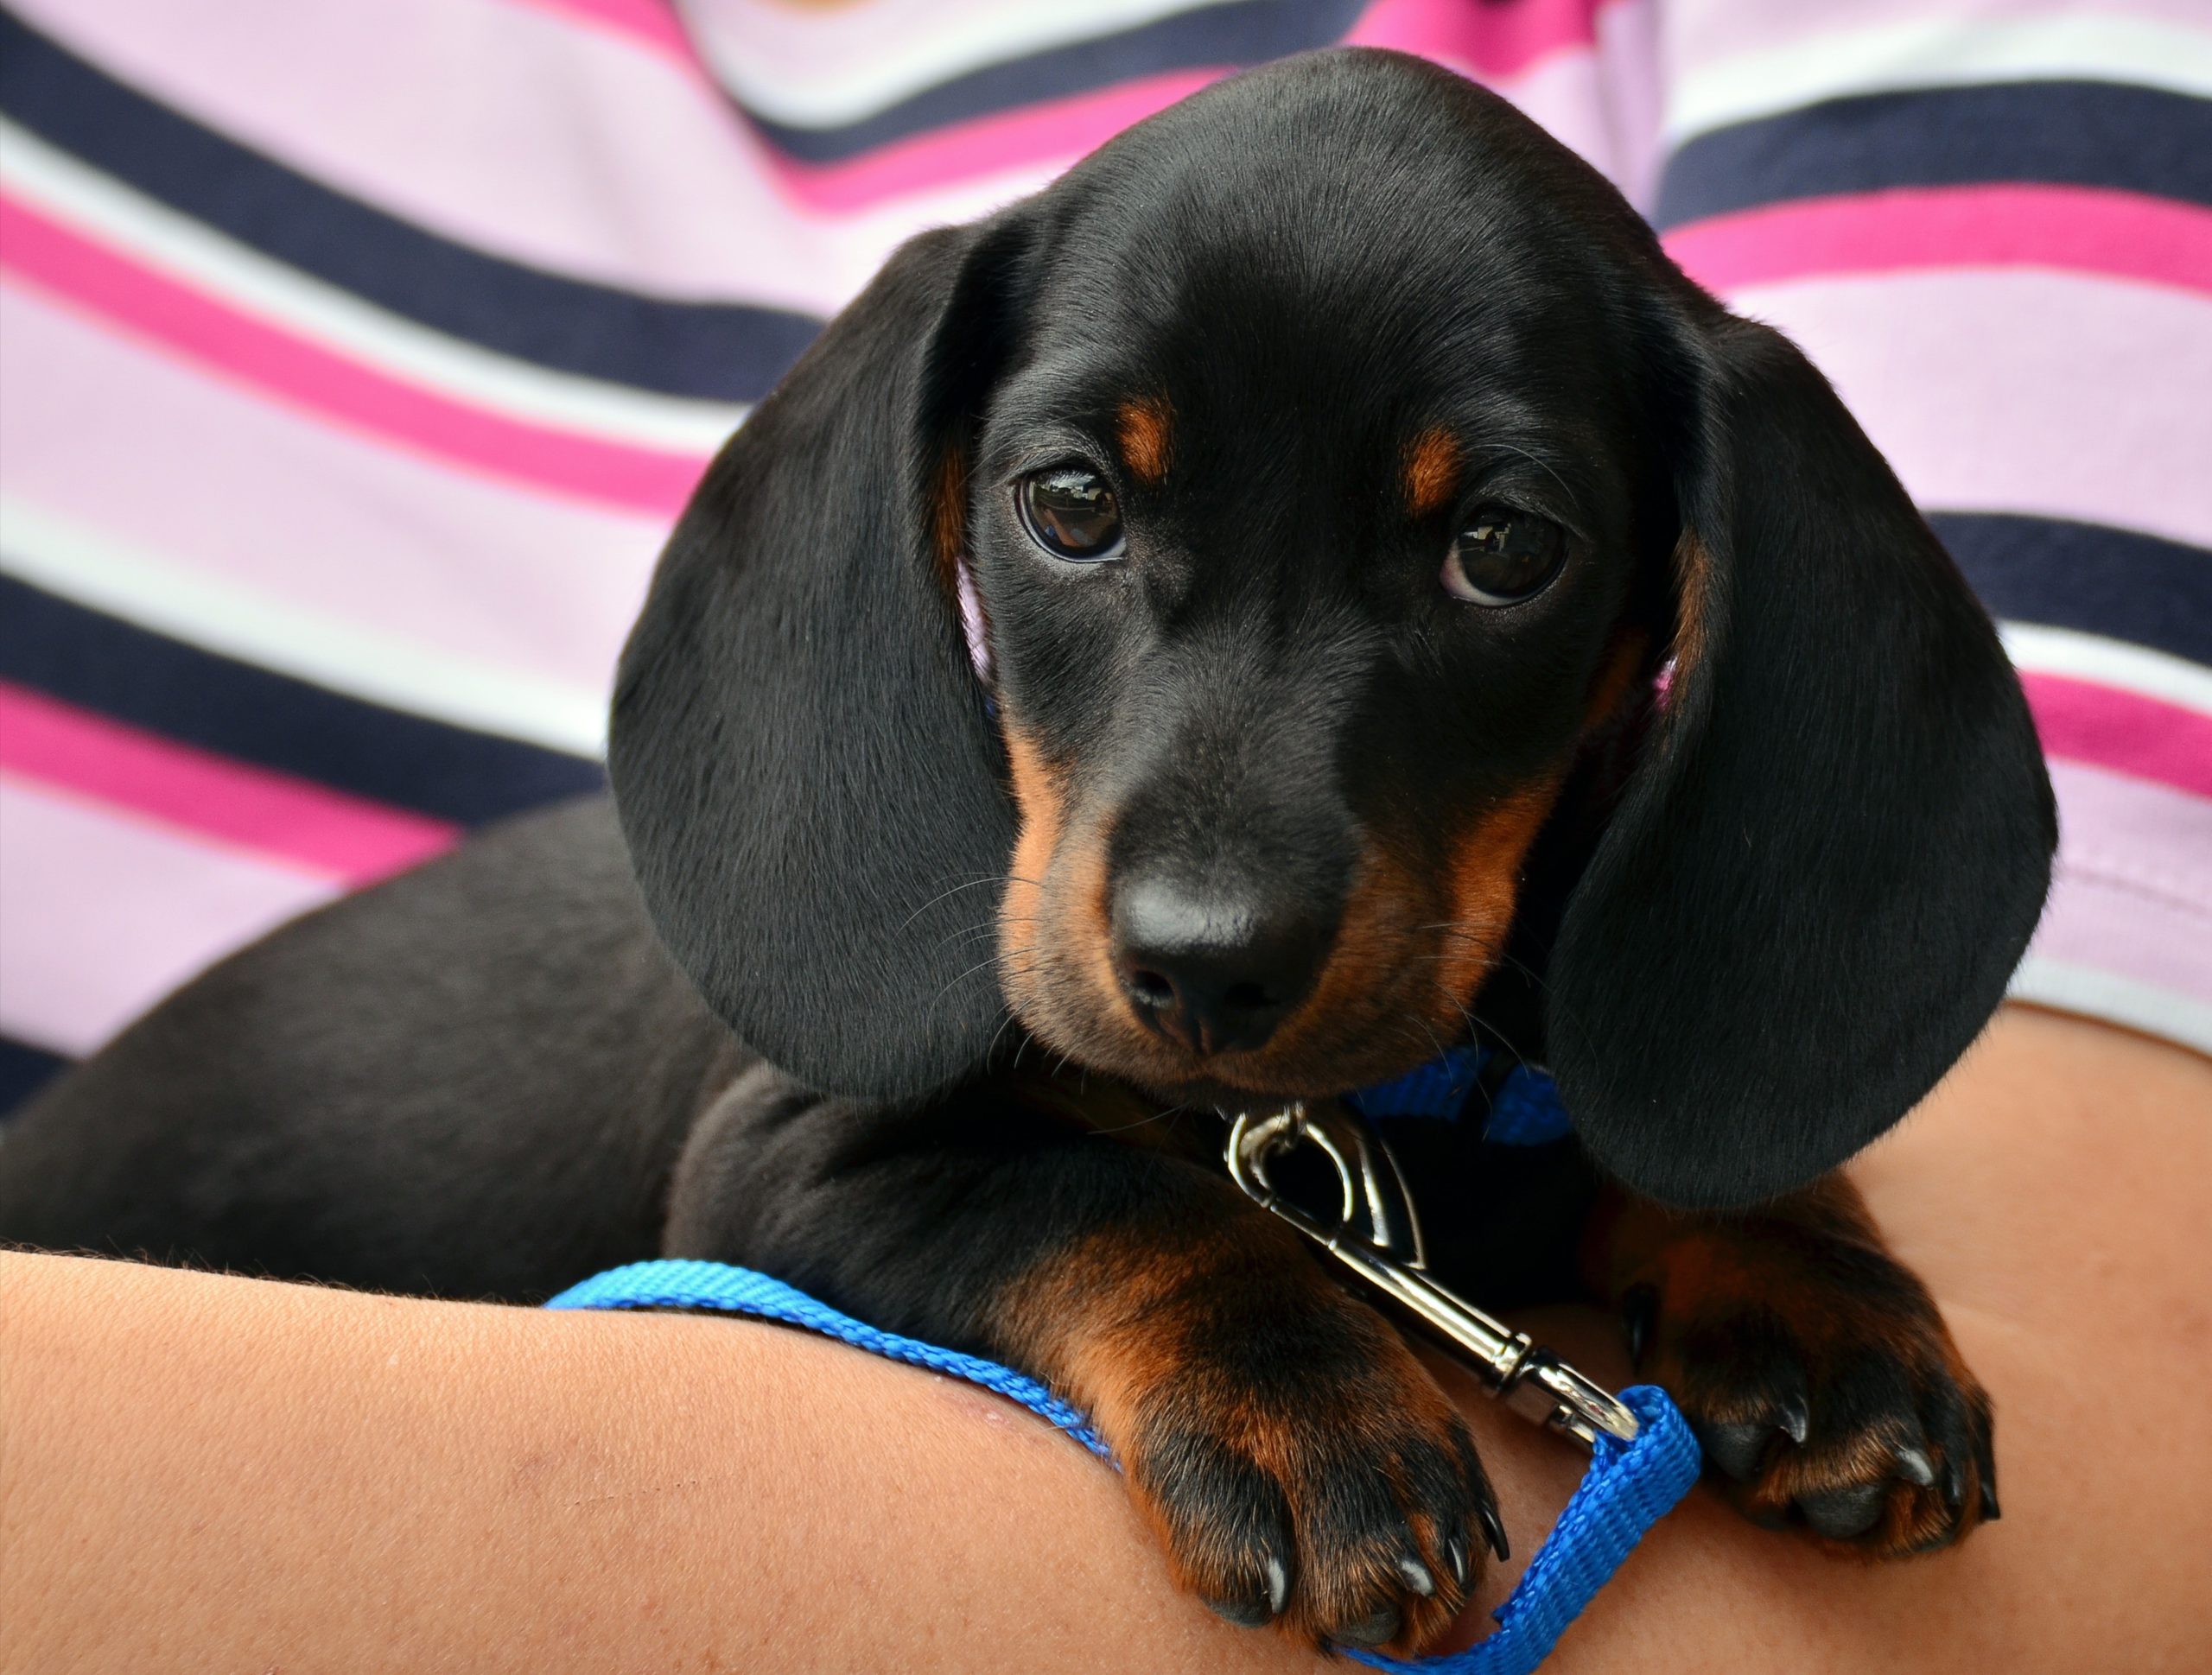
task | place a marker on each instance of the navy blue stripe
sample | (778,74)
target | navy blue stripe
(1232,36)
(723,352)
(2087,576)
(2068,133)
(163,686)
(24,1071)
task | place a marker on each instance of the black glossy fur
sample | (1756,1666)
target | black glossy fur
(1748,926)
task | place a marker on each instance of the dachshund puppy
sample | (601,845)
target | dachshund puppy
(1314,586)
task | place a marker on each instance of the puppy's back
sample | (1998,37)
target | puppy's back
(469,1081)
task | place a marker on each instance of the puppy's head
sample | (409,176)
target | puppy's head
(1308,480)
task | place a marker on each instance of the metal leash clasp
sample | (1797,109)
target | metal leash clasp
(1377,1236)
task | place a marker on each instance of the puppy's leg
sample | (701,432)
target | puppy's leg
(1815,1366)
(1297,1462)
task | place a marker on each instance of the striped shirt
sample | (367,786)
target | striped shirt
(355,356)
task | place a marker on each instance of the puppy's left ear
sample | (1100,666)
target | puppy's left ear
(806,777)
(1837,845)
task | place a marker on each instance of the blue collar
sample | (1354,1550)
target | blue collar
(1523,1106)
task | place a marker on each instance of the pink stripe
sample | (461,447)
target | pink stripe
(2117,233)
(1056,130)
(105,913)
(649,22)
(1495,41)
(2057,395)
(324,831)
(212,482)
(2122,731)
(196,325)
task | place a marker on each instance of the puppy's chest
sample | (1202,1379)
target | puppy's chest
(1501,1192)
(1502,1219)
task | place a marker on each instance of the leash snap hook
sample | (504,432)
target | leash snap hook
(1377,1235)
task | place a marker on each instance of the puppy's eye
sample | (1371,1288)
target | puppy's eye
(1502,556)
(1071,514)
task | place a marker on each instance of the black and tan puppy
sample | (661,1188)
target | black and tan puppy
(1398,607)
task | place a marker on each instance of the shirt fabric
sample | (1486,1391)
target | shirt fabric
(356,355)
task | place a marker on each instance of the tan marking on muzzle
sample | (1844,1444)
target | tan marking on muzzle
(1041,814)
(1485,881)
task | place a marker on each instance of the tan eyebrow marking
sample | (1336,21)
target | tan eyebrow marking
(1432,471)
(1146,431)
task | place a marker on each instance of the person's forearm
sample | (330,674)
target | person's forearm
(222,1475)
(215,1473)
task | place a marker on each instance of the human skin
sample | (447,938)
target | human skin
(203,1473)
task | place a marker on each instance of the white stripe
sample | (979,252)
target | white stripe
(95,571)
(817,67)
(197,255)
(2142,1007)
(2038,649)
(1938,52)
(1631,95)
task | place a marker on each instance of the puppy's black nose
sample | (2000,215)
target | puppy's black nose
(1215,972)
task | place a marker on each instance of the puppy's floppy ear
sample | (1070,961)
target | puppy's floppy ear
(1824,870)
(806,777)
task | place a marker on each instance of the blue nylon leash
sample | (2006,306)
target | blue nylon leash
(1628,1489)
(688,1284)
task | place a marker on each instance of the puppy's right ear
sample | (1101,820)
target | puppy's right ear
(1820,878)
(806,777)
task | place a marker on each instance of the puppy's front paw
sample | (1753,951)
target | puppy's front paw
(1303,1468)
(1824,1386)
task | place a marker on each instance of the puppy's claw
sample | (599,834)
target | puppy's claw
(1455,1555)
(1494,1528)
(1639,1311)
(1795,1420)
(1984,1459)
(1954,1485)
(1915,1467)
(1415,1576)
(1249,1610)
